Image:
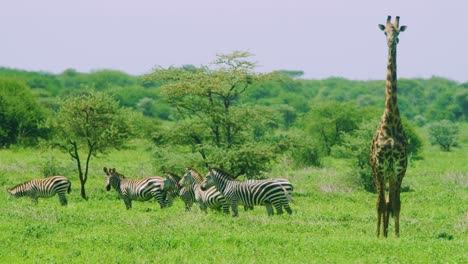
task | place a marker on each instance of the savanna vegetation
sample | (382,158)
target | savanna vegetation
(316,133)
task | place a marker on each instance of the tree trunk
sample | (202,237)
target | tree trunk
(76,156)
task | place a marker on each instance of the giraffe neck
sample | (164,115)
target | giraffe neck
(391,105)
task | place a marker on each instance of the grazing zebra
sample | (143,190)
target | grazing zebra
(136,189)
(43,188)
(263,192)
(211,197)
(171,187)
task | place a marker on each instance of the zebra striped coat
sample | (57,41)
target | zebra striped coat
(171,187)
(249,193)
(211,197)
(136,189)
(43,188)
(285,183)
(187,194)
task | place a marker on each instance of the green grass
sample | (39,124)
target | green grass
(333,219)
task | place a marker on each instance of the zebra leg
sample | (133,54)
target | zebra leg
(235,213)
(288,208)
(279,208)
(63,199)
(225,208)
(202,207)
(269,209)
(188,206)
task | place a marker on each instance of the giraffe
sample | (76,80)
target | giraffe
(388,156)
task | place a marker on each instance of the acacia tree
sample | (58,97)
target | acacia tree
(88,124)
(212,120)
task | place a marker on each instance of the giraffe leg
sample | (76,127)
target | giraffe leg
(381,209)
(396,211)
(387,212)
(401,171)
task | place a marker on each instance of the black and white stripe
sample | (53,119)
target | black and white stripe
(187,194)
(136,189)
(43,188)
(249,193)
(171,187)
(210,198)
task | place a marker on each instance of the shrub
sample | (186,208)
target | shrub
(443,133)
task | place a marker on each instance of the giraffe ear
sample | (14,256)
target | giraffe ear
(382,27)
(403,28)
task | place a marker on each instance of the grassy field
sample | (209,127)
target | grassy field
(333,219)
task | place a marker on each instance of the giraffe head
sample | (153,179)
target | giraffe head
(392,30)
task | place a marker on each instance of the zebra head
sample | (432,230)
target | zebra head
(187,179)
(208,181)
(171,182)
(112,178)
(11,192)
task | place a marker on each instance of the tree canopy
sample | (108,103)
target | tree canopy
(88,124)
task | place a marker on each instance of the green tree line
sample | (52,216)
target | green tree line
(223,114)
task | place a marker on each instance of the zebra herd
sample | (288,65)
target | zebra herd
(218,190)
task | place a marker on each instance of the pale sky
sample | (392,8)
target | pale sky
(322,38)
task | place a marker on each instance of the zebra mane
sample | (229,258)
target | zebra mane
(18,185)
(223,173)
(198,174)
(119,174)
(173,176)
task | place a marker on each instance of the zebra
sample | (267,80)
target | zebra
(263,192)
(136,189)
(188,197)
(211,197)
(43,188)
(171,187)
(288,187)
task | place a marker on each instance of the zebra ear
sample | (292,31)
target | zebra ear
(105,170)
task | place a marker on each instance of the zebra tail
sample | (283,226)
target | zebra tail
(288,196)
(69,186)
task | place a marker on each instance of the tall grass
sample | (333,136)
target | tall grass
(333,218)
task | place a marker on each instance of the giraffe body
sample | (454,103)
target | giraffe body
(389,156)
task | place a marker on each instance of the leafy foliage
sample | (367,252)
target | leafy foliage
(443,133)
(211,119)
(20,114)
(91,123)
(328,120)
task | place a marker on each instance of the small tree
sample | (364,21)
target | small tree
(89,124)
(212,119)
(443,133)
(326,121)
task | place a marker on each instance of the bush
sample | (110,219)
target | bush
(304,150)
(443,133)
(20,114)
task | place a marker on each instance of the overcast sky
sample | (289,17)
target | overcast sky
(322,38)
